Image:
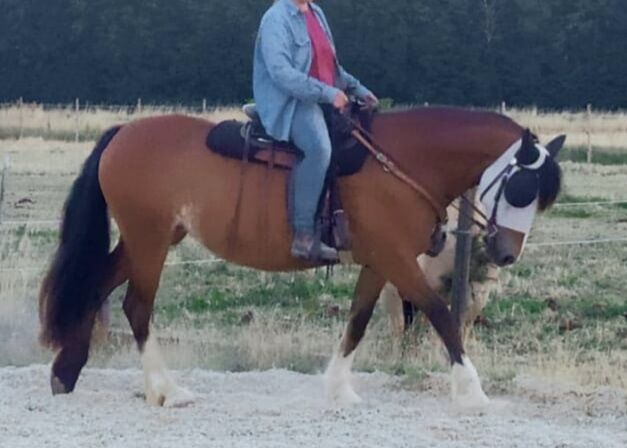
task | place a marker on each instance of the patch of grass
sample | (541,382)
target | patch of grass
(523,305)
(567,198)
(595,308)
(600,156)
(571,212)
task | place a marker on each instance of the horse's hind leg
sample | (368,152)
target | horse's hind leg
(337,376)
(147,252)
(74,354)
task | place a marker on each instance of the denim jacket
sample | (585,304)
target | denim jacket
(282,61)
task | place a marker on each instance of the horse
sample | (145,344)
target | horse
(438,270)
(159,183)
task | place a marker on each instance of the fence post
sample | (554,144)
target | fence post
(204,105)
(138,109)
(503,108)
(463,248)
(77,107)
(20,106)
(589,131)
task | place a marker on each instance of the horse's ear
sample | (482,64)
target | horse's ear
(554,146)
(528,152)
(527,138)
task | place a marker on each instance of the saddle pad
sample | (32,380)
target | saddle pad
(226,139)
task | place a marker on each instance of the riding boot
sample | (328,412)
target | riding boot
(305,245)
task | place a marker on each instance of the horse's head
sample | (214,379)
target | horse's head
(525,179)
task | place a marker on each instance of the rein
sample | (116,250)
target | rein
(360,134)
(379,154)
(487,227)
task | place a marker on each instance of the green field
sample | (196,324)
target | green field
(220,316)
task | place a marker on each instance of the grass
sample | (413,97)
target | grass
(226,317)
(601,156)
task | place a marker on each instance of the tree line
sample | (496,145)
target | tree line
(549,53)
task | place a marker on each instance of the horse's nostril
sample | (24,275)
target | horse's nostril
(507,260)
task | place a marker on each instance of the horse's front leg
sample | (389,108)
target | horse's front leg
(337,377)
(465,385)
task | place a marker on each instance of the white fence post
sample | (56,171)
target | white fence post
(20,106)
(77,107)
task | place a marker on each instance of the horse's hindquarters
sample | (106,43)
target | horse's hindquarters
(158,174)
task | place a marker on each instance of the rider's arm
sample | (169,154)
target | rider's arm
(275,47)
(350,84)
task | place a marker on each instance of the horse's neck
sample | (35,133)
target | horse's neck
(445,150)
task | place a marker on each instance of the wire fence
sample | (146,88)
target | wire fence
(588,129)
(213,260)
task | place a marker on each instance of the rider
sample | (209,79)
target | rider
(295,71)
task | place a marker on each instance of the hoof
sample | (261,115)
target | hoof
(341,393)
(179,398)
(172,397)
(346,397)
(57,386)
(470,401)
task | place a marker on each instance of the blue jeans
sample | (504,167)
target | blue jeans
(310,134)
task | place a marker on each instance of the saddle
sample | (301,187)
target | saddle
(249,142)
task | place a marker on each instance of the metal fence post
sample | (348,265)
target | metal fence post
(5,171)
(463,249)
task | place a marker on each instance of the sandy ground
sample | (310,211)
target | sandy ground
(284,409)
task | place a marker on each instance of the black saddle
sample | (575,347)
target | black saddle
(249,141)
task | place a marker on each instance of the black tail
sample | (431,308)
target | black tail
(72,287)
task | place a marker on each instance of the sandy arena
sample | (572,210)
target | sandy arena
(284,409)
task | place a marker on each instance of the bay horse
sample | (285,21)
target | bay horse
(158,181)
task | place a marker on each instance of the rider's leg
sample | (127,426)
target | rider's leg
(311,135)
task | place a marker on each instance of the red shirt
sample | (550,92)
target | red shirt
(323,65)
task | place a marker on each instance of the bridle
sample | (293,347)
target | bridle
(502,178)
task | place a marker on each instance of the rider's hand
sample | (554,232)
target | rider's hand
(371,101)
(340,101)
